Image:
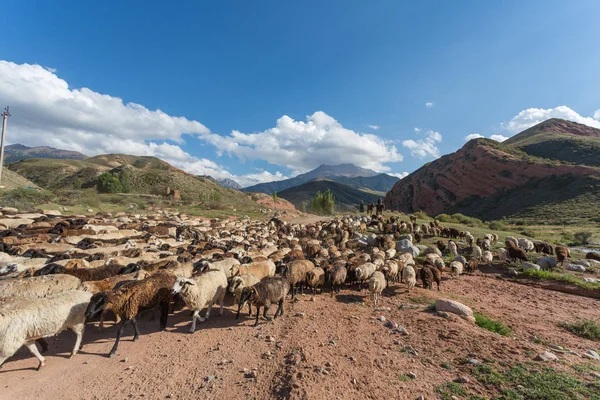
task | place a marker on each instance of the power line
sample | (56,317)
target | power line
(5,116)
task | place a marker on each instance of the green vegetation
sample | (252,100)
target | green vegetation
(539,383)
(460,219)
(497,226)
(449,389)
(567,278)
(582,238)
(323,203)
(493,326)
(275,198)
(109,183)
(361,207)
(25,198)
(586,329)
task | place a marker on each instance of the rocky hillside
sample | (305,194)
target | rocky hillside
(149,175)
(12,180)
(346,198)
(229,183)
(331,172)
(18,152)
(491,180)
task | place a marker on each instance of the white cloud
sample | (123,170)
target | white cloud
(46,111)
(473,136)
(429,104)
(259,177)
(532,116)
(498,138)
(302,146)
(424,147)
(417,130)
(374,127)
(399,175)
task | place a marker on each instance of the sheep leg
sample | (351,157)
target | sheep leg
(279,309)
(78,329)
(221,302)
(34,350)
(249,309)
(257,315)
(195,315)
(208,311)
(265,310)
(164,315)
(119,333)
(136,329)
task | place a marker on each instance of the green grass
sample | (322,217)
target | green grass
(424,300)
(449,389)
(538,383)
(493,326)
(557,276)
(586,329)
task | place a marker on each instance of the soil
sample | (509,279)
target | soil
(329,348)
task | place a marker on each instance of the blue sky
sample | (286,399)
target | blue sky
(70,68)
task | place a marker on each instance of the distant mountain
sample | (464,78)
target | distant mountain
(229,183)
(346,198)
(18,152)
(331,172)
(378,183)
(549,173)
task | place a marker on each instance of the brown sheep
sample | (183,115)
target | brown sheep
(562,253)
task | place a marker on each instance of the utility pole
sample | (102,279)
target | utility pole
(5,116)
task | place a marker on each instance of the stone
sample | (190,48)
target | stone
(412,375)
(401,330)
(391,325)
(575,267)
(462,379)
(442,314)
(591,354)
(90,210)
(595,375)
(512,273)
(546,356)
(454,307)
(547,263)
(300,314)
(472,361)
(530,266)
(381,318)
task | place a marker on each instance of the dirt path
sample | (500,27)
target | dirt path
(335,349)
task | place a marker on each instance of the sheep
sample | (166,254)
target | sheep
(429,277)
(336,277)
(511,240)
(562,254)
(263,294)
(109,283)
(38,286)
(238,283)
(452,248)
(363,273)
(377,284)
(263,269)
(469,238)
(28,319)
(526,244)
(295,273)
(456,267)
(436,261)
(460,259)
(228,265)
(127,301)
(200,291)
(390,270)
(409,276)
(88,274)
(487,257)
(513,252)
(315,278)
(477,254)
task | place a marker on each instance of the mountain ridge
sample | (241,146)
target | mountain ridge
(17,152)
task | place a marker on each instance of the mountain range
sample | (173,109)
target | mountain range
(18,152)
(348,174)
(547,173)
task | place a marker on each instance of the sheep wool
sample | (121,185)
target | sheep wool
(377,284)
(38,286)
(26,319)
(409,276)
(200,291)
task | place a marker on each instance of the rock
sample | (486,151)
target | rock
(455,307)
(51,212)
(575,267)
(300,315)
(593,280)
(210,378)
(401,330)
(472,361)
(125,360)
(546,356)
(412,375)
(442,314)
(267,355)
(547,263)
(556,347)
(591,354)
(391,325)
(421,397)
(512,273)
(462,379)
(527,266)
(270,338)
(381,318)
(595,375)
(353,381)
(90,210)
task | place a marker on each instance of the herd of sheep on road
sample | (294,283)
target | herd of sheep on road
(60,272)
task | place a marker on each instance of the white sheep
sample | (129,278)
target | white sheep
(24,320)
(526,244)
(487,257)
(409,276)
(456,267)
(227,265)
(200,291)
(376,285)
(477,254)
(238,283)
(363,273)
(452,248)
(38,286)
(470,239)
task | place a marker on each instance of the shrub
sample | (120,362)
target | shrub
(275,198)
(125,179)
(323,203)
(421,215)
(493,326)
(497,226)
(586,329)
(109,183)
(526,232)
(361,207)
(445,218)
(25,197)
(582,238)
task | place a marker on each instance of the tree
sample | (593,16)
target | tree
(109,183)
(303,207)
(582,238)
(275,198)
(125,179)
(323,203)
(362,206)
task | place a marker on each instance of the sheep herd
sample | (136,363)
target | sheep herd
(60,273)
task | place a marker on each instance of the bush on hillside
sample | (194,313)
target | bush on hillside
(125,179)
(497,226)
(25,198)
(109,183)
(582,238)
(323,203)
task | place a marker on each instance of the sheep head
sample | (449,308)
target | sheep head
(97,304)
(180,284)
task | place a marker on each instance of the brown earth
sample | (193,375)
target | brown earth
(336,350)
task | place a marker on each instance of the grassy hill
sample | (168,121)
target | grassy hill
(346,197)
(547,174)
(18,152)
(149,175)
(12,180)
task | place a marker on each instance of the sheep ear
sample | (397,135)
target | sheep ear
(188,283)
